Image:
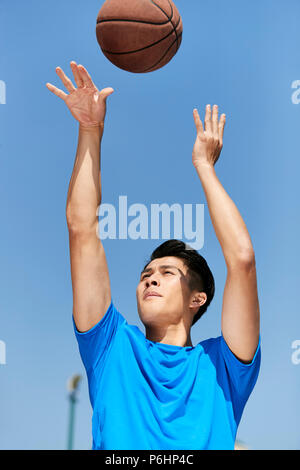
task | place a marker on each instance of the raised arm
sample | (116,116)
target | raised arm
(240,312)
(89,271)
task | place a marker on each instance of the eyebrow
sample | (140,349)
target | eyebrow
(162,266)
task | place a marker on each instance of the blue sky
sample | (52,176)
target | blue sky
(240,55)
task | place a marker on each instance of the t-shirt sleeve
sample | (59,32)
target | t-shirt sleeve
(242,377)
(94,344)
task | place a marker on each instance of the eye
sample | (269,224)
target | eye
(147,275)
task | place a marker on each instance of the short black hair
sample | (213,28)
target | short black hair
(200,276)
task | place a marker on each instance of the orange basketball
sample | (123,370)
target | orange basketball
(139,35)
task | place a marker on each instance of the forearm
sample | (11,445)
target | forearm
(84,194)
(228,224)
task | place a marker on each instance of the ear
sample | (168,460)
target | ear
(198,300)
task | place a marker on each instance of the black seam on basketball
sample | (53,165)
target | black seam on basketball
(172,12)
(149,22)
(175,30)
(170,19)
(162,56)
(141,21)
(143,48)
(131,21)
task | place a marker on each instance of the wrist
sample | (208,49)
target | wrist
(202,167)
(96,129)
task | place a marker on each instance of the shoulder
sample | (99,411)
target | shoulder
(217,347)
(211,345)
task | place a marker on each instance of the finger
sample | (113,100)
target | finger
(221,127)
(66,81)
(77,76)
(215,120)
(106,92)
(56,91)
(85,76)
(207,119)
(199,125)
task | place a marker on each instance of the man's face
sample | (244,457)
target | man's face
(167,277)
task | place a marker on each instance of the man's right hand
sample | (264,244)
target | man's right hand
(86,103)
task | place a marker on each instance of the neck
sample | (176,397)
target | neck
(176,335)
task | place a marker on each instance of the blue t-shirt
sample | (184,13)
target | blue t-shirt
(148,395)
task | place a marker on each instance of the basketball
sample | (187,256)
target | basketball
(139,36)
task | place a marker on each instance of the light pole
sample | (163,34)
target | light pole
(72,386)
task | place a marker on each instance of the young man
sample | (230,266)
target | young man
(158,391)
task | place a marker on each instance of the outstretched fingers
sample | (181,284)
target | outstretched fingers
(213,125)
(198,122)
(77,76)
(221,127)
(82,79)
(85,77)
(207,119)
(214,120)
(66,81)
(56,91)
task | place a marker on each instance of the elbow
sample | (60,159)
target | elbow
(247,257)
(72,221)
(78,225)
(243,259)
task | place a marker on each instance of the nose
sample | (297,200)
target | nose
(151,281)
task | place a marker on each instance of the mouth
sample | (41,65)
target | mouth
(151,294)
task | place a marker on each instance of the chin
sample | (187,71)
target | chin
(150,310)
